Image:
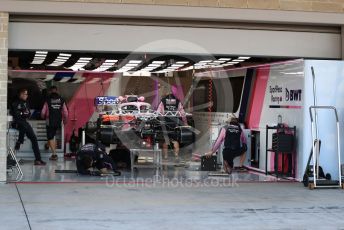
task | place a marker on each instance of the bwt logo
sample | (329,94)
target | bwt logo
(293,95)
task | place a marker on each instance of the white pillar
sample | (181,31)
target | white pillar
(3,92)
(342,42)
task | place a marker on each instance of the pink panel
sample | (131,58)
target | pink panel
(81,106)
(258,96)
(177,91)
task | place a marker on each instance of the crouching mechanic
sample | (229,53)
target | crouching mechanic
(235,144)
(94,156)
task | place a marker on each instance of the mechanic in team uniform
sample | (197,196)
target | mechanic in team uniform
(94,156)
(21,112)
(170,103)
(54,111)
(235,144)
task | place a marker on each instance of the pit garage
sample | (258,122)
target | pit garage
(113,76)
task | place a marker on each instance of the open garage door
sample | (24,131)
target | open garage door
(214,70)
(243,40)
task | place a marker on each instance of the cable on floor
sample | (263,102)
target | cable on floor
(21,200)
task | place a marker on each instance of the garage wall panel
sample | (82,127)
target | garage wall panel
(126,38)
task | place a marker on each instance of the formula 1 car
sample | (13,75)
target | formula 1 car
(131,122)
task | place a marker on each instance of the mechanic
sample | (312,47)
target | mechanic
(170,103)
(54,111)
(94,156)
(235,144)
(21,112)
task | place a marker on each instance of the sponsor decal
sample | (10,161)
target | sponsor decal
(280,95)
(293,95)
(285,107)
(106,100)
(276,94)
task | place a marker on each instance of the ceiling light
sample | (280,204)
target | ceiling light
(135,61)
(60,60)
(188,68)
(131,64)
(182,62)
(107,64)
(153,65)
(158,62)
(238,60)
(82,62)
(225,59)
(64,55)
(39,57)
(245,58)
(206,61)
(125,69)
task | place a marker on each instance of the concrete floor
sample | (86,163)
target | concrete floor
(127,206)
(187,199)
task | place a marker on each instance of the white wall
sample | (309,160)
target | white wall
(342,42)
(289,76)
(330,92)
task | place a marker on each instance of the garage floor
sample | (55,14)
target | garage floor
(127,206)
(185,172)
